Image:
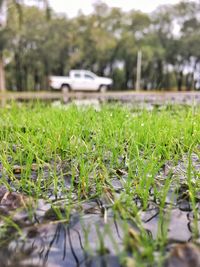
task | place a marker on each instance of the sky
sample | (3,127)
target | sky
(71,7)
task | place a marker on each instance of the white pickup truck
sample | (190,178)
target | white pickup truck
(80,80)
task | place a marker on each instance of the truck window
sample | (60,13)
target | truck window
(87,76)
(77,75)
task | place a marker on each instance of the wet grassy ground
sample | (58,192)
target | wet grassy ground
(113,187)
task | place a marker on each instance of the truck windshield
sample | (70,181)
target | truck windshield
(91,74)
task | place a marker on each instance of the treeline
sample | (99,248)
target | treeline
(106,42)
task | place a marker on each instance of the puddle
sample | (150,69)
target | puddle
(143,100)
(85,241)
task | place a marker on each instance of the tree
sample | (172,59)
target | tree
(177,27)
(106,42)
(134,29)
(39,47)
(3,23)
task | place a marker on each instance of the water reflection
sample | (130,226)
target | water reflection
(87,241)
(74,244)
(131,97)
(95,103)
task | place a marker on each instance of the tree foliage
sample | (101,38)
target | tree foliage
(106,42)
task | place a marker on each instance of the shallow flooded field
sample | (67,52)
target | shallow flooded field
(102,185)
(151,97)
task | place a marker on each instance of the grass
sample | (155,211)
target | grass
(95,146)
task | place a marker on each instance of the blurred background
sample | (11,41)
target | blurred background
(40,38)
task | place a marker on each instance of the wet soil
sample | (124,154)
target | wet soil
(93,233)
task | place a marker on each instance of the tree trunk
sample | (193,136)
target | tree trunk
(37,82)
(2,75)
(18,71)
(46,75)
(127,76)
(180,81)
(189,82)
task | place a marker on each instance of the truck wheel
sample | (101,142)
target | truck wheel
(103,88)
(65,89)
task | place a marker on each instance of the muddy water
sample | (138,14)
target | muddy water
(73,244)
(153,98)
(94,235)
(89,238)
(181,225)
